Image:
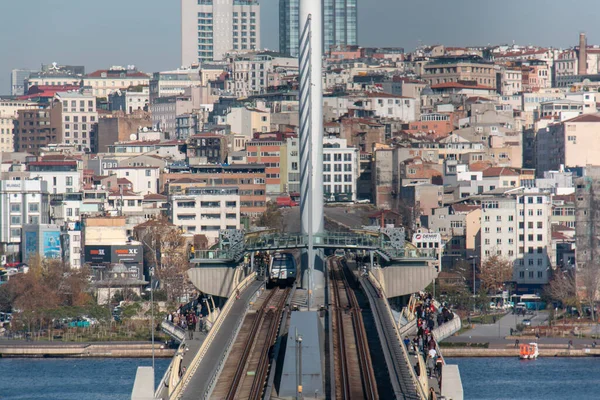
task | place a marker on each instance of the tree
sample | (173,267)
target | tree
(589,276)
(166,251)
(562,288)
(272,218)
(494,271)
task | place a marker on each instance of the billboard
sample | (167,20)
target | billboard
(97,254)
(51,245)
(31,245)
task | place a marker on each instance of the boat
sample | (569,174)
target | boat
(528,351)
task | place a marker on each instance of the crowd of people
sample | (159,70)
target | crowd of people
(189,317)
(428,318)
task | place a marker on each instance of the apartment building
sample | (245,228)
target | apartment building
(79,118)
(103,82)
(210,29)
(36,129)
(130,100)
(60,176)
(173,83)
(248,178)
(252,73)
(515,225)
(460,69)
(340,170)
(7,128)
(144,179)
(206,210)
(273,155)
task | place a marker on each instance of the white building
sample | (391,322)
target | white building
(10,108)
(79,116)
(106,81)
(253,72)
(210,29)
(144,179)
(511,82)
(130,100)
(340,170)
(60,176)
(370,104)
(173,83)
(7,131)
(21,202)
(206,210)
(516,226)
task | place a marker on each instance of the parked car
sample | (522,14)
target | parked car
(526,322)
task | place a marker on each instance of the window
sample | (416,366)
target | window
(347,157)
(130,203)
(510,218)
(539,238)
(16,208)
(530,213)
(15,219)
(487,241)
(498,218)
(69,181)
(540,274)
(531,274)
(540,250)
(498,241)
(69,212)
(487,229)
(521,274)
(499,229)
(148,172)
(34,207)
(521,238)
(15,232)
(521,225)
(530,225)
(487,218)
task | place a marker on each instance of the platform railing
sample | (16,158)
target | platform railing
(178,391)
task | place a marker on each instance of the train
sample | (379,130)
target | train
(283,270)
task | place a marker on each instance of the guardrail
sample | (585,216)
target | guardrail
(162,384)
(447,329)
(173,330)
(178,390)
(394,327)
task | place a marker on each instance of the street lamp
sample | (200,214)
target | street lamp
(473,258)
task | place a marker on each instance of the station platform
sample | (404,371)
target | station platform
(200,381)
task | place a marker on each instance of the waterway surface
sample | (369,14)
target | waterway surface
(509,378)
(72,378)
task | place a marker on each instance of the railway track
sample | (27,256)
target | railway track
(354,375)
(247,367)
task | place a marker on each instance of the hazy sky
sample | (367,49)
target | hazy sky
(99,34)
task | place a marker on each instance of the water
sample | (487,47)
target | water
(544,378)
(72,378)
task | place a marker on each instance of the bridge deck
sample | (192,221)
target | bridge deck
(200,381)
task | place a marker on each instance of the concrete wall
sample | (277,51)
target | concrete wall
(215,280)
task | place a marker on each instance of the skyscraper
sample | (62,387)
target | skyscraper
(211,28)
(17,81)
(339,24)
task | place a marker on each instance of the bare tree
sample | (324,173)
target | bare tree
(562,287)
(166,251)
(494,271)
(589,277)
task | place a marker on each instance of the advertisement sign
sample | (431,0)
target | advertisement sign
(51,245)
(97,254)
(426,237)
(131,253)
(31,244)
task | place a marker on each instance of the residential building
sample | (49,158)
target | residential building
(247,121)
(460,69)
(144,179)
(515,225)
(587,227)
(60,176)
(206,210)
(135,98)
(7,128)
(273,155)
(21,202)
(207,148)
(79,119)
(165,110)
(210,29)
(36,129)
(571,143)
(248,178)
(340,170)
(252,73)
(118,128)
(103,82)
(173,83)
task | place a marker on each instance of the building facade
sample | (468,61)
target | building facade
(206,210)
(79,118)
(212,28)
(340,170)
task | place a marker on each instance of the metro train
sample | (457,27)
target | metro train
(282,270)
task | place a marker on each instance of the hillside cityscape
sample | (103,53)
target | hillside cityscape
(116,184)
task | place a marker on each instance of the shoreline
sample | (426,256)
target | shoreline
(84,350)
(458,352)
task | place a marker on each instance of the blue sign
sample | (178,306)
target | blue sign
(31,244)
(51,245)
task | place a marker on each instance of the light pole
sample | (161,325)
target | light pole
(152,314)
(473,258)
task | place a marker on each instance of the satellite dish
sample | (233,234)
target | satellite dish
(133,136)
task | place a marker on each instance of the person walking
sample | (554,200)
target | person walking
(432,395)
(430,364)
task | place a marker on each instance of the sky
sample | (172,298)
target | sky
(146,33)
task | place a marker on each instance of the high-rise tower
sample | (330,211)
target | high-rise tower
(339,24)
(211,28)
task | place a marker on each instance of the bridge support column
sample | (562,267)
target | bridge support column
(371,259)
